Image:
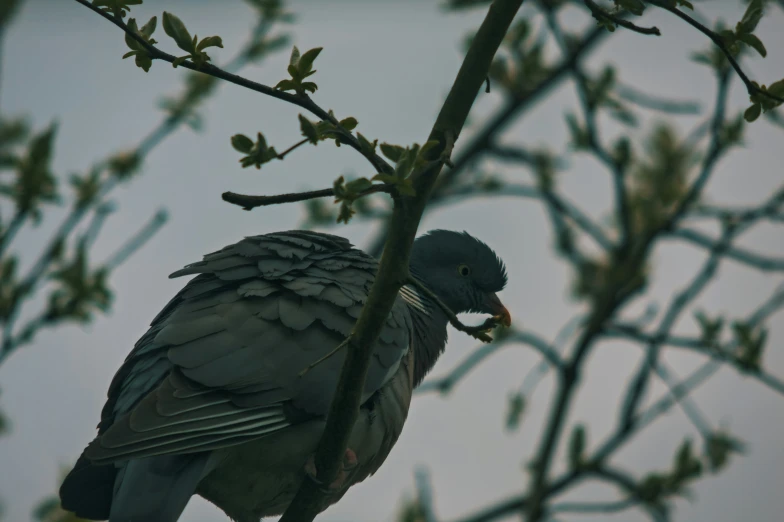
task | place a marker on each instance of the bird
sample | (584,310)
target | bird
(213,400)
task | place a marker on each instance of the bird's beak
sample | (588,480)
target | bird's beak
(494,306)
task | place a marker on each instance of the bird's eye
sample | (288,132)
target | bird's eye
(464,270)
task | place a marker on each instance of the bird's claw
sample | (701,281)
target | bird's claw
(349,465)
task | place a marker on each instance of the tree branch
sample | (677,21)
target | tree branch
(393,267)
(741,255)
(300,100)
(445,384)
(249,202)
(718,42)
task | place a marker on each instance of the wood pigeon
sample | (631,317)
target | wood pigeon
(212,399)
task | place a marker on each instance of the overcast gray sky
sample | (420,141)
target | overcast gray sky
(388,64)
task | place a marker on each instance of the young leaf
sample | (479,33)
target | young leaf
(305,64)
(241,143)
(753,112)
(149,28)
(392,152)
(178,32)
(294,58)
(754,42)
(210,41)
(751,17)
(308,129)
(349,123)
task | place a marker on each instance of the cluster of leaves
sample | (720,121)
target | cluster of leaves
(659,181)
(750,342)
(143,57)
(256,153)
(300,67)
(33,184)
(79,289)
(607,19)
(596,275)
(324,129)
(116,7)
(175,28)
(686,468)
(407,160)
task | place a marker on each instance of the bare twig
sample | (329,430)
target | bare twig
(249,202)
(447,383)
(741,255)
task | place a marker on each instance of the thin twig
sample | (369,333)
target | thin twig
(600,14)
(719,42)
(446,383)
(249,202)
(741,255)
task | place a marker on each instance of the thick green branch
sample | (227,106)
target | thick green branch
(393,267)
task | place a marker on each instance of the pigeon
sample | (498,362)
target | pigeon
(226,395)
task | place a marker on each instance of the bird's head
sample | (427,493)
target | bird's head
(462,271)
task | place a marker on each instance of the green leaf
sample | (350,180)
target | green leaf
(176,29)
(116,7)
(366,146)
(389,179)
(718,448)
(179,60)
(777,88)
(242,143)
(305,64)
(210,41)
(294,58)
(286,85)
(577,447)
(149,27)
(754,42)
(308,129)
(392,152)
(753,112)
(358,185)
(309,86)
(130,41)
(349,123)
(143,61)
(751,17)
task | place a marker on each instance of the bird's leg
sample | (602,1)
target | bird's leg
(349,464)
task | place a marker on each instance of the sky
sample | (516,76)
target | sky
(389,64)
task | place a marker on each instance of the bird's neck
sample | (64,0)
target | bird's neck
(429,331)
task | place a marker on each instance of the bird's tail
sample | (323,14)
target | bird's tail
(152,489)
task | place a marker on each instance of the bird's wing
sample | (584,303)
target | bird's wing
(222,363)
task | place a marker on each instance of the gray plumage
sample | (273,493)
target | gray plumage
(211,400)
